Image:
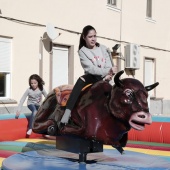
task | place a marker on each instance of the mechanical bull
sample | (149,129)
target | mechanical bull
(102,113)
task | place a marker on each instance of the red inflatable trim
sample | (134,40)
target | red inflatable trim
(156,132)
(13,129)
(6,154)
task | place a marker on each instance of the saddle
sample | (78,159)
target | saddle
(63,93)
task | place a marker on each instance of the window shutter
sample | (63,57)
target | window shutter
(5,55)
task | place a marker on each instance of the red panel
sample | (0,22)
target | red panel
(13,129)
(166,132)
(5,154)
(156,132)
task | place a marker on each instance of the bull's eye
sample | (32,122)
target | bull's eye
(127,97)
(129,93)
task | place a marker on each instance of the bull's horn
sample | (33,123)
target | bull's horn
(148,88)
(117,81)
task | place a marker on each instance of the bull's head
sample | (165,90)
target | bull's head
(129,101)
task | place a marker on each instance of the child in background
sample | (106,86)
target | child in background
(34,94)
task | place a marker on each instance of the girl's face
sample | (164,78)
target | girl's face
(91,39)
(34,84)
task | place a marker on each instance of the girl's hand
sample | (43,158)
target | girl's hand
(17,115)
(107,78)
(113,71)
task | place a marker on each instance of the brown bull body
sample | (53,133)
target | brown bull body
(103,112)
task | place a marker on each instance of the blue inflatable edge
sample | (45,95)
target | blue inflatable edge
(160,119)
(24,115)
(12,116)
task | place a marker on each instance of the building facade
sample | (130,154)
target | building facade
(42,37)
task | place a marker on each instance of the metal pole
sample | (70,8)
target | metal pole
(82,157)
(110,55)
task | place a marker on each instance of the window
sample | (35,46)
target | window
(114,5)
(5,67)
(112,2)
(149,9)
(149,74)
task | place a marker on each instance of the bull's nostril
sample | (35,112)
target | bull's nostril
(142,116)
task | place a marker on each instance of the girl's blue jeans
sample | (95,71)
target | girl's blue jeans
(34,110)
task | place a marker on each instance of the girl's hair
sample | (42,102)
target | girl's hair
(39,80)
(84,33)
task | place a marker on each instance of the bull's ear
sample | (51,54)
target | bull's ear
(150,87)
(117,81)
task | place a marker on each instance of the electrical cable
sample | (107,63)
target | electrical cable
(76,32)
(4,106)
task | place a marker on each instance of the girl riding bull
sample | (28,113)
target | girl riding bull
(97,66)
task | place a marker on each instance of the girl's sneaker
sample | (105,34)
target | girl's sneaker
(29,132)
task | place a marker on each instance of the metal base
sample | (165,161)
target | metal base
(78,145)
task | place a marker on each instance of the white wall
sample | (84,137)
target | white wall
(128,23)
